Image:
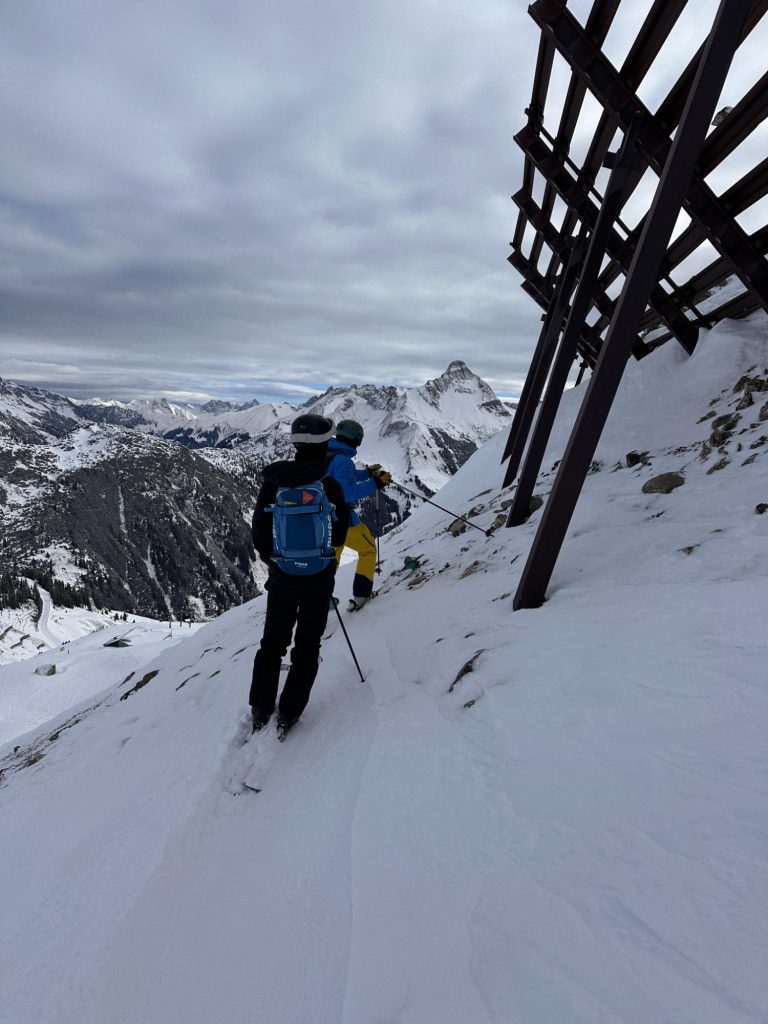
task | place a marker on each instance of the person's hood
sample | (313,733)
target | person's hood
(337,447)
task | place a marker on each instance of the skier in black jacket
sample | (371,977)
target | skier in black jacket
(293,600)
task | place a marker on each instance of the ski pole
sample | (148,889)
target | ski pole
(378,532)
(349,643)
(487,533)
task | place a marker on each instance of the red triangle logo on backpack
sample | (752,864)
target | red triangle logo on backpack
(307,497)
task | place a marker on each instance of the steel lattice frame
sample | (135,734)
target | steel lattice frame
(561,268)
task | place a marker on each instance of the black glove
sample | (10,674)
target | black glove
(382,478)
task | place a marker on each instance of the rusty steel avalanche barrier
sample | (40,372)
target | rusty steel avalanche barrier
(608,290)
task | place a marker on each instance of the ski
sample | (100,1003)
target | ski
(267,745)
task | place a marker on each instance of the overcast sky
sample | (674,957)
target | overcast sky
(259,199)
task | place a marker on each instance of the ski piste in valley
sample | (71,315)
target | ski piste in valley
(554,816)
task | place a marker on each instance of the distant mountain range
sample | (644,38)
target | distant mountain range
(145,506)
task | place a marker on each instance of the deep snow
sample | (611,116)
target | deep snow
(574,831)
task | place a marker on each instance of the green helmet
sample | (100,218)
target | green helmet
(350,431)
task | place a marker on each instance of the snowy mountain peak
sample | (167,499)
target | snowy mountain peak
(458,368)
(106,403)
(458,379)
(162,407)
(216,405)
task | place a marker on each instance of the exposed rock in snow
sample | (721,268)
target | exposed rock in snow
(664,483)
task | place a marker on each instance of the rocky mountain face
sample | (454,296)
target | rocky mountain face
(145,506)
(34,416)
(118,518)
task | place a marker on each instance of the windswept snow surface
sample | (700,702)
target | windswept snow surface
(572,830)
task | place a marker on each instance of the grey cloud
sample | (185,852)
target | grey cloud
(282,195)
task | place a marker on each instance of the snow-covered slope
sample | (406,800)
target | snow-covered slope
(24,635)
(90,650)
(544,817)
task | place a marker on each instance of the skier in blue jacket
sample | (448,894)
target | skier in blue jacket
(356,485)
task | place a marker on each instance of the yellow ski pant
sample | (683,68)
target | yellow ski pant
(361,540)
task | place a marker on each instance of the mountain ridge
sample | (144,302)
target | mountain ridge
(55,452)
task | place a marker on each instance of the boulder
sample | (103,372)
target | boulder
(498,522)
(722,428)
(747,383)
(535,504)
(663,483)
(45,670)
(456,528)
(638,458)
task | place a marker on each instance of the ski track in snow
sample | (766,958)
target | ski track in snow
(549,817)
(242,836)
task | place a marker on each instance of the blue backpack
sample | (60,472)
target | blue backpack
(301,529)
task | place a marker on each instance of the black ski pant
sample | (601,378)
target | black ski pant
(302,602)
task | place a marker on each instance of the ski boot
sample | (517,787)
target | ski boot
(284,726)
(356,603)
(259,718)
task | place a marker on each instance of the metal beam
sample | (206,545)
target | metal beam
(542,361)
(566,353)
(535,112)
